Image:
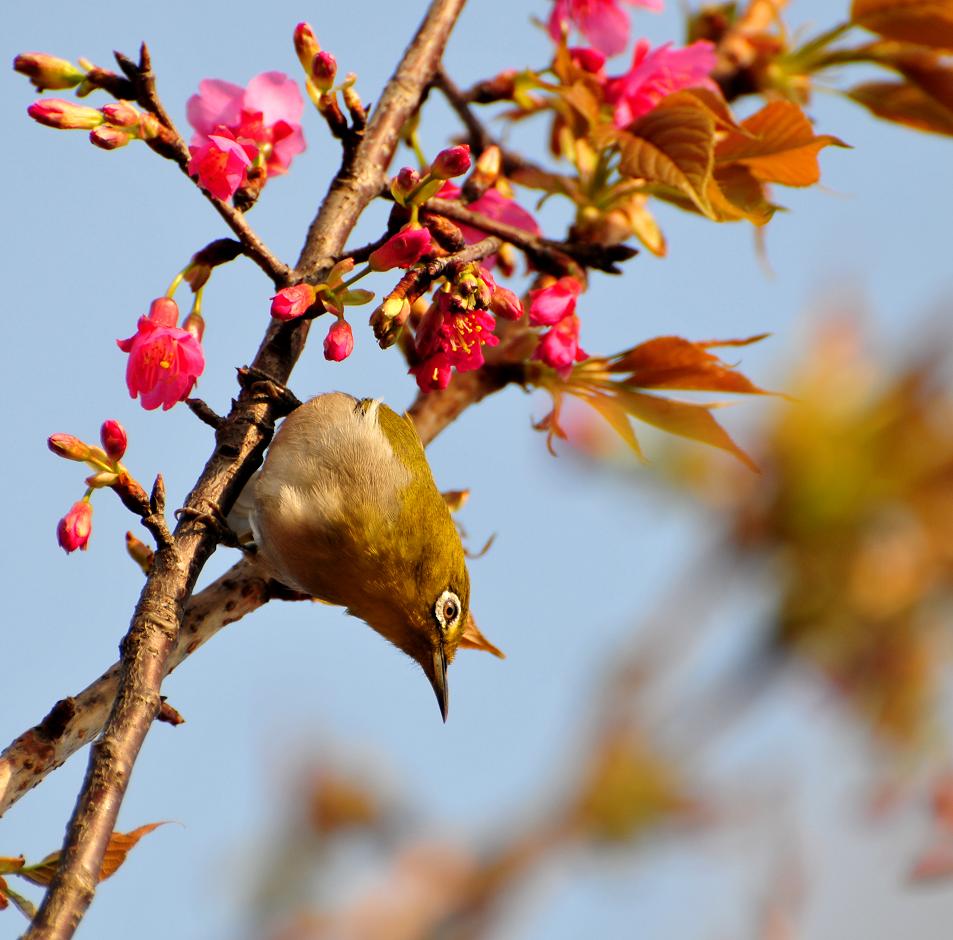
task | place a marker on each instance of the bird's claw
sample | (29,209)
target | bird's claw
(260,383)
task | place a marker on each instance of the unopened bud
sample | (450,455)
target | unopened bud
(589,60)
(486,172)
(291,302)
(47,72)
(194,323)
(107,137)
(324,69)
(506,304)
(388,320)
(401,250)
(454,161)
(121,113)
(64,115)
(404,183)
(74,528)
(306,45)
(339,343)
(113,438)
(65,445)
(139,552)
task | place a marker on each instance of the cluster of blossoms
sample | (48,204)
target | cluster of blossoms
(458,324)
(238,128)
(74,529)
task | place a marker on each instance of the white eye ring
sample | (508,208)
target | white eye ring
(447,610)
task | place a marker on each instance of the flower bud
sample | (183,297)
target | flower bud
(404,183)
(454,161)
(291,302)
(113,437)
(589,60)
(324,68)
(164,311)
(306,45)
(74,528)
(339,343)
(65,445)
(506,304)
(401,250)
(107,137)
(388,320)
(139,552)
(47,72)
(121,114)
(64,115)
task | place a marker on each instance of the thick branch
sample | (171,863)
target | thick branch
(241,441)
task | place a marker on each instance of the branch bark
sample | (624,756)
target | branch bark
(153,633)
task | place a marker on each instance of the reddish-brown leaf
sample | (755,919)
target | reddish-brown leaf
(616,417)
(780,146)
(117,849)
(683,419)
(904,104)
(672,145)
(736,195)
(924,22)
(674,362)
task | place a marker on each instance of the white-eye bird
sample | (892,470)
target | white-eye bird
(345,509)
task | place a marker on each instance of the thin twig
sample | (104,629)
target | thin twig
(554,257)
(480,137)
(154,631)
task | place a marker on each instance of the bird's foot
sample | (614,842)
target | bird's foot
(260,383)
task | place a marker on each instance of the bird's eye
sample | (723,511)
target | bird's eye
(447,609)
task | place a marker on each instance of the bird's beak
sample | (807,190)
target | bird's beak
(438,679)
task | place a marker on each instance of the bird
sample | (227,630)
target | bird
(346,510)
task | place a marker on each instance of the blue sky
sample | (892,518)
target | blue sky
(92,237)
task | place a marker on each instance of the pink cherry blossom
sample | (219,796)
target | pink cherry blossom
(339,343)
(221,161)
(266,114)
(164,360)
(401,250)
(559,348)
(603,22)
(448,339)
(657,73)
(74,529)
(549,305)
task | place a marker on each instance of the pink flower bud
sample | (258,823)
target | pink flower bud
(121,113)
(589,60)
(64,115)
(107,137)
(113,437)
(291,302)
(324,69)
(401,250)
(74,528)
(451,162)
(404,183)
(47,72)
(306,45)
(504,303)
(339,343)
(551,304)
(65,445)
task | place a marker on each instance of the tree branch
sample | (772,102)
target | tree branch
(75,721)
(548,255)
(153,634)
